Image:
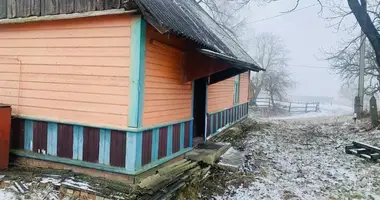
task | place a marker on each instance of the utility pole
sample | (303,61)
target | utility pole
(361,70)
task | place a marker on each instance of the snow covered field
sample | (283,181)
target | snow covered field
(305,159)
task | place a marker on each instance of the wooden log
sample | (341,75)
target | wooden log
(366,146)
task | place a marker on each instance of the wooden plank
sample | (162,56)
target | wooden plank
(91,5)
(66,6)
(3,9)
(50,7)
(81,6)
(12,8)
(366,146)
(35,7)
(112,4)
(99,4)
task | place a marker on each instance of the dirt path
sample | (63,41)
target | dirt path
(305,159)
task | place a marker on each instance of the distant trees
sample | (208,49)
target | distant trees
(270,53)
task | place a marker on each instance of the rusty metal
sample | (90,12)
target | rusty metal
(5,126)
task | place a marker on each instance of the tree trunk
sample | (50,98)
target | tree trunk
(256,93)
(367,25)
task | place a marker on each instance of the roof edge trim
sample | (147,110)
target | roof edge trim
(232,60)
(67,16)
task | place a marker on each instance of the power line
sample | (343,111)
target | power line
(279,15)
(309,66)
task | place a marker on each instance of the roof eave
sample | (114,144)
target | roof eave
(236,62)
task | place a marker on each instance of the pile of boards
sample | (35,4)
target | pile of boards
(168,181)
(364,151)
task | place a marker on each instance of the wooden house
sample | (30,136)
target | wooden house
(116,86)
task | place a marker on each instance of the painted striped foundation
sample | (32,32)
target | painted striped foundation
(220,120)
(132,151)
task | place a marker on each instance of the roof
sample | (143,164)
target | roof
(189,19)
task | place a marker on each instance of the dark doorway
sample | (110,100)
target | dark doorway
(200,89)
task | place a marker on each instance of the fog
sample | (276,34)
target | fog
(305,33)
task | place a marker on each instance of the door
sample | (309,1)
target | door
(199,107)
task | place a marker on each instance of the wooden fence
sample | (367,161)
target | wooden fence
(292,107)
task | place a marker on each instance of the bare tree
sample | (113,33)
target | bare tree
(270,53)
(345,62)
(276,83)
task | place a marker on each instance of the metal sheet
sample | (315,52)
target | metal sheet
(176,138)
(17,134)
(118,148)
(146,147)
(163,142)
(91,144)
(40,137)
(65,141)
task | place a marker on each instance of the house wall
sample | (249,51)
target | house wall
(166,99)
(69,70)
(220,95)
(244,87)
(221,109)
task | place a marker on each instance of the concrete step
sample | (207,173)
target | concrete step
(208,152)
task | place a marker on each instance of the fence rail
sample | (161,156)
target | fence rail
(292,107)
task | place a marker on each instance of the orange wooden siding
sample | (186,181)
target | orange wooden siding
(220,95)
(244,87)
(166,99)
(68,70)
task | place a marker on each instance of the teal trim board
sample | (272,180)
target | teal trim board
(28,138)
(155,144)
(78,142)
(182,136)
(52,138)
(169,143)
(134,144)
(191,133)
(104,146)
(137,72)
(211,123)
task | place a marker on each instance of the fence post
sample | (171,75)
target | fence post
(290,106)
(269,102)
(306,107)
(317,107)
(373,111)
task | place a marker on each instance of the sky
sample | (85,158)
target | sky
(305,33)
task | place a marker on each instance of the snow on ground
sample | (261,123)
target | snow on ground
(305,159)
(325,110)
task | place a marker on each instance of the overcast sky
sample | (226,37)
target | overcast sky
(305,33)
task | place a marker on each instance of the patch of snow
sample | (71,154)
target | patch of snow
(54,181)
(6,195)
(305,159)
(232,158)
(76,184)
(325,111)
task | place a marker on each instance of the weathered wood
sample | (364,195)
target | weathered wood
(66,6)
(112,4)
(35,7)
(91,5)
(373,111)
(366,146)
(11,9)
(68,16)
(80,6)
(99,4)
(3,9)
(50,7)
